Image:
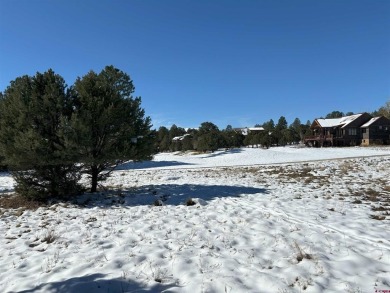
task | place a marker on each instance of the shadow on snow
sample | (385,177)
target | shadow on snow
(158,164)
(168,194)
(223,153)
(97,283)
(149,164)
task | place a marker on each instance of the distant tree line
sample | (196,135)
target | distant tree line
(208,137)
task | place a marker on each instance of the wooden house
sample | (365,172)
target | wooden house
(344,131)
(376,131)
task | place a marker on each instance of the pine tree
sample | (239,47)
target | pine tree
(108,124)
(296,131)
(384,110)
(33,115)
(279,132)
(334,114)
(208,137)
(231,138)
(163,141)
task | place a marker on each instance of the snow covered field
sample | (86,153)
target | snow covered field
(277,220)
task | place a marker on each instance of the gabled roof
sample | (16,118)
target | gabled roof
(334,122)
(179,138)
(370,122)
(256,128)
(246,130)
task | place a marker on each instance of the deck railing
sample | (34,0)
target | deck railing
(319,137)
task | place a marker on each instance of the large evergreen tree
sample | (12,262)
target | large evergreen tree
(280,133)
(232,138)
(208,137)
(162,139)
(33,116)
(108,125)
(296,131)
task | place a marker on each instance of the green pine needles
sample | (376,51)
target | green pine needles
(50,133)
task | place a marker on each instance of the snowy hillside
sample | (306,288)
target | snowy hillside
(277,220)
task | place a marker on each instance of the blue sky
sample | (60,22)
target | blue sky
(223,61)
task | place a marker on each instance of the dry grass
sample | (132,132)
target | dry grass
(378,217)
(49,237)
(301,254)
(16,201)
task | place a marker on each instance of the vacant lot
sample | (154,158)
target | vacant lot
(201,223)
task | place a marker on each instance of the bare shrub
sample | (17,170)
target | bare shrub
(158,203)
(49,237)
(190,202)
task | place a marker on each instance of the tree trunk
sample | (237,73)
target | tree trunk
(94,173)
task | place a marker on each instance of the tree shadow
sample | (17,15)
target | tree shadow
(166,194)
(149,164)
(4,173)
(223,153)
(98,283)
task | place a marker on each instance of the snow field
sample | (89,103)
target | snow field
(294,227)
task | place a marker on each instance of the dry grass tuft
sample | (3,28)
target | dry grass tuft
(49,237)
(158,203)
(378,217)
(301,254)
(16,201)
(190,202)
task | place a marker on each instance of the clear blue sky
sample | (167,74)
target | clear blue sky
(225,61)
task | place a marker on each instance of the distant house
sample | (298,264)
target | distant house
(180,138)
(246,130)
(376,131)
(344,131)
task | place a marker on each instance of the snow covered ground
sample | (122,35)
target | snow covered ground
(277,220)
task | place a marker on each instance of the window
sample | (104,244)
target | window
(380,127)
(352,131)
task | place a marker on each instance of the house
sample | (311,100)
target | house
(180,138)
(344,131)
(376,131)
(246,130)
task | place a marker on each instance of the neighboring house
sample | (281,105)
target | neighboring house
(344,131)
(180,138)
(247,130)
(376,131)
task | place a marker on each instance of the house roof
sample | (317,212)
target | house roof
(334,122)
(370,122)
(179,138)
(246,130)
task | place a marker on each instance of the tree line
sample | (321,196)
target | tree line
(51,133)
(208,137)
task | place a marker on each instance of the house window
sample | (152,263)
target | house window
(380,127)
(352,131)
